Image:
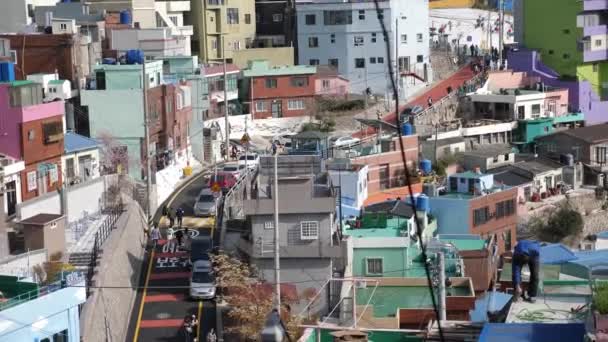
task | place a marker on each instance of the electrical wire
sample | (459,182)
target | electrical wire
(407,172)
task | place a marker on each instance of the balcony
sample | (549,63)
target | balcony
(594,30)
(595,55)
(178,6)
(182,31)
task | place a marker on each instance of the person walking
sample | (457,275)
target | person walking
(211,337)
(188,331)
(171,216)
(155,236)
(526,252)
(194,325)
(170,237)
(179,236)
(429,101)
(180,216)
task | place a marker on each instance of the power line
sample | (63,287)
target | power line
(407,172)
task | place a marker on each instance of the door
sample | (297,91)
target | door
(11,198)
(276,108)
(384,176)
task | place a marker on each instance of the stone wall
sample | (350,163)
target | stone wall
(107,311)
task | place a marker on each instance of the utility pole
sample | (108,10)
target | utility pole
(145,85)
(397,56)
(365,92)
(442,305)
(277,258)
(227,143)
(501,18)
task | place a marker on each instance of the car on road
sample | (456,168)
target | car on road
(202,281)
(226,180)
(252,160)
(199,248)
(345,141)
(234,168)
(207,203)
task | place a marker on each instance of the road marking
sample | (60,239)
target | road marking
(191,222)
(169,275)
(143,297)
(175,193)
(200,320)
(169,255)
(162,323)
(169,297)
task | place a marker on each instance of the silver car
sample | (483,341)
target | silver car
(202,281)
(206,203)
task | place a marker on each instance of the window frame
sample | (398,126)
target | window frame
(32,183)
(232,16)
(313,42)
(308,235)
(369,271)
(260,106)
(271,83)
(358,40)
(359,65)
(291,104)
(268,225)
(312,22)
(419,37)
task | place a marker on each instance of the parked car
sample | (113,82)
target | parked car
(202,281)
(346,141)
(199,249)
(253,160)
(234,168)
(226,180)
(206,203)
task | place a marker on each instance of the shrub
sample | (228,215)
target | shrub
(600,298)
(562,223)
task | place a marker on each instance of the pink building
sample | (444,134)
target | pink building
(329,83)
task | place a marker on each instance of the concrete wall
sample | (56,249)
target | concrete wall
(276,56)
(120,265)
(21,265)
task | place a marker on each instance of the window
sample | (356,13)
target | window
(373,37)
(63,27)
(325,84)
(372,60)
(535,109)
(232,16)
(600,155)
(380,14)
(481,216)
(271,83)
(506,157)
(361,14)
(14,56)
(247,18)
(332,38)
(358,40)
(373,266)
(216,2)
(53,175)
(214,44)
(313,62)
(509,207)
(381,60)
(277,17)
(359,63)
(337,17)
(295,104)
(31,181)
(596,67)
(521,112)
(598,42)
(419,37)
(500,210)
(260,106)
(299,82)
(52,132)
(174,19)
(268,225)
(31,134)
(309,230)
(419,59)
(404,39)
(313,42)
(311,19)
(333,62)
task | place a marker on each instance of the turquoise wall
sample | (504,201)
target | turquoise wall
(452,214)
(118,113)
(394,261)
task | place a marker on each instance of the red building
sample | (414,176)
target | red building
(282,91)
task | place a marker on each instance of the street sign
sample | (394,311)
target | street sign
(215,187)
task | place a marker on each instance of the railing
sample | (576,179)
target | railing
(100,237)
(30,295)
(225,213)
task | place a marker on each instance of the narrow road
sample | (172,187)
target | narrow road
(162,302)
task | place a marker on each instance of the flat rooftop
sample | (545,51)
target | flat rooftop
(395,227)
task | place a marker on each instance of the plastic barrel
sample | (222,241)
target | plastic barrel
(407,129)
(426,166)
(423,203)
(125,17)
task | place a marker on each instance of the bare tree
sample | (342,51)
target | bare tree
(113,156)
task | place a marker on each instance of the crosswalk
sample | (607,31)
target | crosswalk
(192,222)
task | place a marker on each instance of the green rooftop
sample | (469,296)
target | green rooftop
(570,117)
(260,68)
(19,83)
(467,174)
(385,227)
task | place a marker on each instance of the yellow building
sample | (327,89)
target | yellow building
(232,20)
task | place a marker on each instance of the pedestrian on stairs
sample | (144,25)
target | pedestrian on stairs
(179,235)
(155,236)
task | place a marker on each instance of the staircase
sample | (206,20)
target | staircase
(80,259)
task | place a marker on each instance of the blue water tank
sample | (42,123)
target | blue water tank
(407,129)
(426,166)
(7,71)
(135,57)
(423,203)
(125,17)
(111,61)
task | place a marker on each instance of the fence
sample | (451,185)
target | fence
(100,237)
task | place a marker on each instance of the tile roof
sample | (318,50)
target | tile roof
(74,142)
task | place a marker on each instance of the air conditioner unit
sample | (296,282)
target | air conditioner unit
(361,284)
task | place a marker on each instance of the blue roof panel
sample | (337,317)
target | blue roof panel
(75,143)
(555,254)
(532,332)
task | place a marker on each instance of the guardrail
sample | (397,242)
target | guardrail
(225,212)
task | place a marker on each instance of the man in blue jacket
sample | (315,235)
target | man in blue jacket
(526,252)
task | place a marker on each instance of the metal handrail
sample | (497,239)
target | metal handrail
(30,295)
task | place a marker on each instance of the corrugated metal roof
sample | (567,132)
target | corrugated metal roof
(75,142)
(555,254)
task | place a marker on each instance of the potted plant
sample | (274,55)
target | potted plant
(600,305)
